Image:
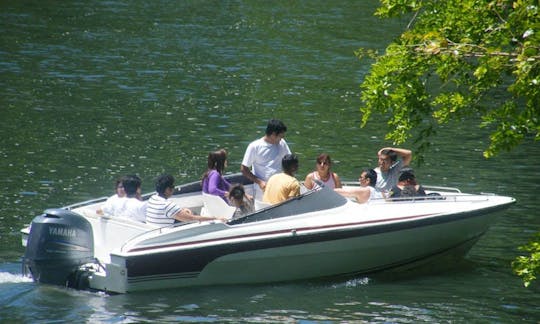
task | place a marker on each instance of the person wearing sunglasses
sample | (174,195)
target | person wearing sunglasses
(323,173)
(366,191)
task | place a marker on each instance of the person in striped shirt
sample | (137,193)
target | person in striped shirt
(162,212)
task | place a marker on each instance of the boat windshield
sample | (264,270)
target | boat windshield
(314,200)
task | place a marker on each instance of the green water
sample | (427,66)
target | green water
(92,90)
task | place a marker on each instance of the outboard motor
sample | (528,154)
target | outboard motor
(59,242)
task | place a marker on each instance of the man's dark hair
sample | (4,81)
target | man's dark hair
(289,163)
(275,126)
(406,175)
(391,154)
(163,182)
(371,175)
(131,183)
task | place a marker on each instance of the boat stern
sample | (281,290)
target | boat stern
(112,278)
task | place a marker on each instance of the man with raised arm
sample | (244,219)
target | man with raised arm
(391,160)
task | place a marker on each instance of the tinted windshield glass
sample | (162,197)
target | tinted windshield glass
(311,201)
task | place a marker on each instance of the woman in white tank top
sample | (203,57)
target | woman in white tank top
(323,173)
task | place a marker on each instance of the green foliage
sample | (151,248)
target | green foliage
(457,59)
(454,61)
(528,267)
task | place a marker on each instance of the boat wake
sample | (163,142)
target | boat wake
(352,283)
(357,282)
(6,277)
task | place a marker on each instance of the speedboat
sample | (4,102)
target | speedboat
(318,234)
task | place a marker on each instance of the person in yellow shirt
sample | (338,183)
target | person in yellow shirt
(283,185)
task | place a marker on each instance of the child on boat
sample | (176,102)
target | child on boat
(239,199)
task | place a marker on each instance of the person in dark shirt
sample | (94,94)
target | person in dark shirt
(407,186)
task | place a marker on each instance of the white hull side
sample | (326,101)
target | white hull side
(362,254)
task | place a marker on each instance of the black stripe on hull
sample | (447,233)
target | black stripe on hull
(461,246)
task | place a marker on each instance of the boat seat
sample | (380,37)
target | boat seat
(216,206)
(261,204)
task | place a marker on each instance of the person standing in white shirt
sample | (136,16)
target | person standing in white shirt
(263,156)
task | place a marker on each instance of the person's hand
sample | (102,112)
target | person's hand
(221,219)
(262,184)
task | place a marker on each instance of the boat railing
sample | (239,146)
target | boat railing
(434,194)
(433,198)
(440,188)
(428,187)
(85,203)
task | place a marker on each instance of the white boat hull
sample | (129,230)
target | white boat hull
(345,239)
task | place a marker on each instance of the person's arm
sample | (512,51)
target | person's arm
(228,185)
(404,154)
(248,174)
(214,178)
(308,182)
(186,215)
(361,194)
(247,162)
(107,207)
(286,146)
(345,192)
(337,181)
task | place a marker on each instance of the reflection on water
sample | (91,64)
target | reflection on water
(418,299)
(94,90)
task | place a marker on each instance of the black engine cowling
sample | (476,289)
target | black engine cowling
(59,242)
